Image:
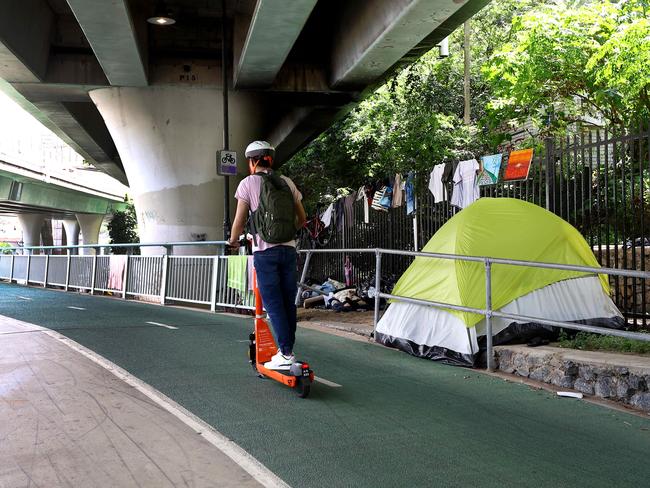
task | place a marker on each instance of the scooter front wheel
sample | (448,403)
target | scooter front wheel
(303,387)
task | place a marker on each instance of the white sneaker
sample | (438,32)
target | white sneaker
(280,362)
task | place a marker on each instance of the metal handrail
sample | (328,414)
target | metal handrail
(487,311)
(122,245)
(200,279)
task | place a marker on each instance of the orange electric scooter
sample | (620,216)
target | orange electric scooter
(262,347)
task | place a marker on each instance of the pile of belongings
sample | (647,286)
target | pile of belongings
(334,295)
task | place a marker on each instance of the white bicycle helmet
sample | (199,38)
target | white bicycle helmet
(257,149)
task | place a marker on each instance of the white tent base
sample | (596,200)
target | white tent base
(441,335)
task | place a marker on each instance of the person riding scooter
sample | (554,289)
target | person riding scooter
(276,211)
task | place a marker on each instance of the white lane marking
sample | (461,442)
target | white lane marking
(231,449)
(163,325)
(23,298)
(327,382)
(76,308)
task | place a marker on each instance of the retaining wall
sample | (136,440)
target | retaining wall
(619,377)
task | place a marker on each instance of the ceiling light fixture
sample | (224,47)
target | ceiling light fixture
(161,16)
(161,20)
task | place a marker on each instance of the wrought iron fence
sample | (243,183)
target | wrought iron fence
(598,181)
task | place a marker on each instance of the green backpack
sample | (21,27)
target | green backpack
(275,218)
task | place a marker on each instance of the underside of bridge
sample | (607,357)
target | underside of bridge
(144,101)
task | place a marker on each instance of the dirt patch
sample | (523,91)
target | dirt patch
(324,315)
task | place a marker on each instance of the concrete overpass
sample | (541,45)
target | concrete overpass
(34,196)
(145,102)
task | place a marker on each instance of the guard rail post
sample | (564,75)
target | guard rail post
(163,278)
(488,314)
(94,271)
(214,283)
(67,270)
(29,265)
(303,276)
(377,290)
(11,273)
(47,269)
(125,281)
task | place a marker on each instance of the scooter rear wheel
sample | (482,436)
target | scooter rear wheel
(303,387)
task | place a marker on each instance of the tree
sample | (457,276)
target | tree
(122,228)
(566,60)
(548,62)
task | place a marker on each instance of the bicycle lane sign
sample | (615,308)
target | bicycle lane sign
(227,163)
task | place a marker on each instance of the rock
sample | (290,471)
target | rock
(604,387)
(540,374)
(621,371)
(637,382)
(558,378)
(505,361)
(642,401)
(521,365)
(570,368)
(623,390)
(584,386)
(586,372)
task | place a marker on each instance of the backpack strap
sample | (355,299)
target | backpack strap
(251,221)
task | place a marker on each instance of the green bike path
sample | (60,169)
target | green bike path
(395,421)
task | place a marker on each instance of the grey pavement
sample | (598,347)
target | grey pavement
(69,422)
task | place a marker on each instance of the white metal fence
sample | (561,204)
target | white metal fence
(165,278)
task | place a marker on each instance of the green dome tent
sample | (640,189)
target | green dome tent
(499,228)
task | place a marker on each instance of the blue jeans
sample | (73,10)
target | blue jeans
(276,278)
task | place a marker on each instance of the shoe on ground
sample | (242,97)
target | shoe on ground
(280,362)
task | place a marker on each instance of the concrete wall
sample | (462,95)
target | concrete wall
(167,138)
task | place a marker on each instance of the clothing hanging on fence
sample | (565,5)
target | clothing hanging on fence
(348,208)
(436,186)
(361,195)
(466,189)
(237,272)
(116,265)
(398,191)
(448,173)
(376,201)
(348,271)
(338,213)
(491,165)
(250,267)
(387,199)
(410,193)
(326,217)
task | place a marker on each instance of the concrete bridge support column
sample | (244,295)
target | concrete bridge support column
(168,138)
(71,228)
(31,224)
(90,225)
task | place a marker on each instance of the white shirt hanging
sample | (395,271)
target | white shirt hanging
(436,185)
(361,195)
(326,218)
(466,189)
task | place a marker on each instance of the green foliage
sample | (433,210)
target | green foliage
(596,342)
(549,63)
(123,228)
(566,61)
(4,248)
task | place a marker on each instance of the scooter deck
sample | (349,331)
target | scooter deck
(283,376)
